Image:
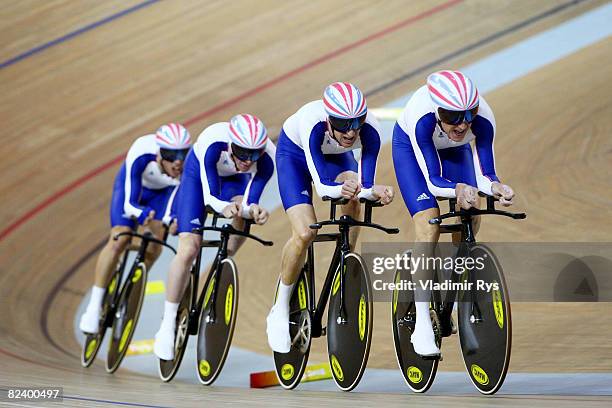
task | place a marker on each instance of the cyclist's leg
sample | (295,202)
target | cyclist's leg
(109,256)
(295,188)
(422,206)
(343,167)
(458,166)
(157,200)
(232,189)
(352,208)
(190,214)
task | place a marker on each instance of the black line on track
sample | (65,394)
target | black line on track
(44,321)
(479,43)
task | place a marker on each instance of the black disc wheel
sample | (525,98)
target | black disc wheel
(290,366)
(485,323)
(217,321)
(349,323)
(94,341)
(126,316)
(167,369)
(418,372)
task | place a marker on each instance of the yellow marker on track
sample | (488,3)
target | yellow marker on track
(139,347)
(313,372)
(155,288)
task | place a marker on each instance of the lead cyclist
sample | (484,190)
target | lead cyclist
(443,147)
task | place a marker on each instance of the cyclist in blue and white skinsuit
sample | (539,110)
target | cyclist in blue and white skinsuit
(316,146)
(143,193)
(228,168)
(433,158)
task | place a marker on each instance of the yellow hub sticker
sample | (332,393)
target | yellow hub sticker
(415,375)
(124,336)
(204,368)
(287,372)
(209,290)
(302,295)
(90,348)
(229,297)
(498,307)
(337,369)
(137,275)
(479,375)
(363,317)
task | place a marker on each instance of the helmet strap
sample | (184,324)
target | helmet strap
(160,162)
(332,131)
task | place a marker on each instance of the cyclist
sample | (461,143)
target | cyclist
(433,158)
(316,145)
(142,194)
(228,168)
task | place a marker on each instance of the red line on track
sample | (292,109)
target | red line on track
(324,58)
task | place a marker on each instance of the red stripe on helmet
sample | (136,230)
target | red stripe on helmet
(236,134)
(475,98)
(350,92)
(338,86)
(448,75)
(331,107)
(439,95)
(251,124)
(463,82)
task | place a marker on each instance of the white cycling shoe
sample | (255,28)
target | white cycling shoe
(90,321)
(424,343)
(277,329)
(163,347)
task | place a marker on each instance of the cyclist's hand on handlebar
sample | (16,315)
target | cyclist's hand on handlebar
(504,193)
(350,189)
(149,218)
(260,215)
(382,193)
(467,196)
(173,228)
(231,210)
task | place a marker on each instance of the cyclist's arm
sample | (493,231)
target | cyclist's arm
(428,158)
(483,128)
(134,167)
(312,139)
(265,170)
(170,212)
(211,182)
(370,147)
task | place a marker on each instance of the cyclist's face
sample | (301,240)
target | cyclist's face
(456,132)
(173,169)
(344,139)
(241,165)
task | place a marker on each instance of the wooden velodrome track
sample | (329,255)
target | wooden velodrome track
(70,110)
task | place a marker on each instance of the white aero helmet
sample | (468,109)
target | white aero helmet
(452,91)
(248,136)
(174,141)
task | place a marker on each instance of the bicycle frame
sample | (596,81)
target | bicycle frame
(226,231)
(146,239)
(341,250)
(468,239)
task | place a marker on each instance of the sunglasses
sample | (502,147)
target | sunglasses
(244,154)
(173,155)
(344,125)
(457,117)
